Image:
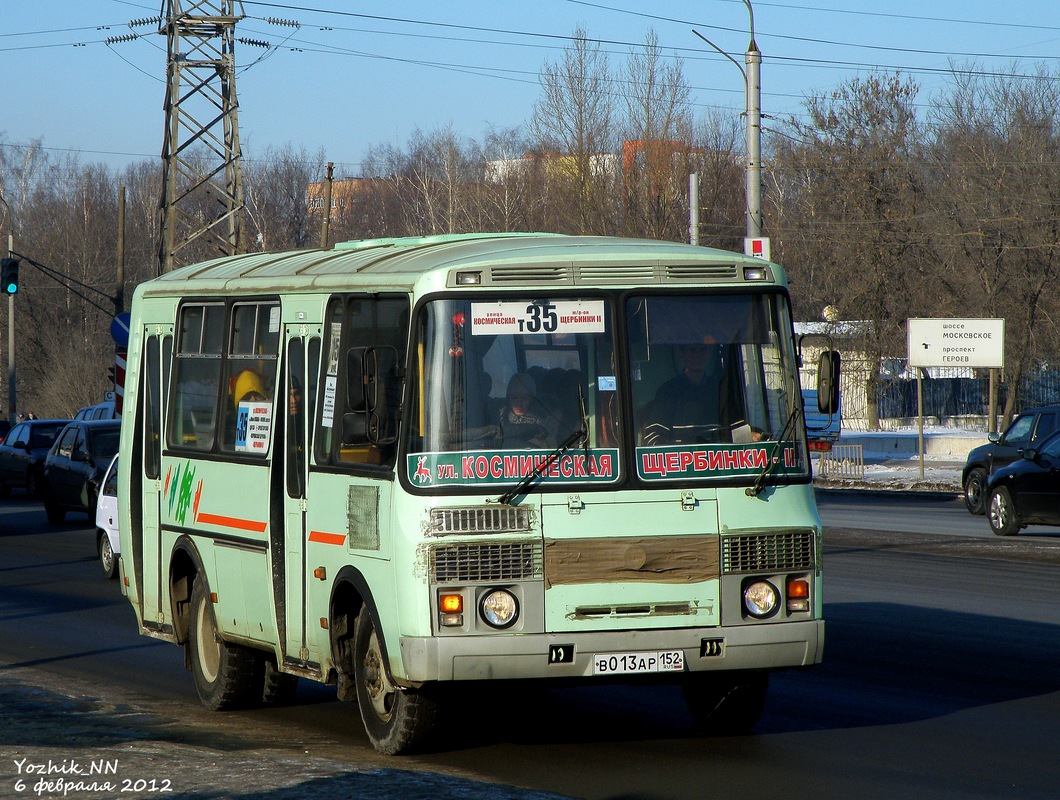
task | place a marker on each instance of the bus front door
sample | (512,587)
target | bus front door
(289,575)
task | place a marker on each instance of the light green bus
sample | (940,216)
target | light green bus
(406,465)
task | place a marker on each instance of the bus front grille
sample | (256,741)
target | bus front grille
(471,563)
(479,519)
(768,552)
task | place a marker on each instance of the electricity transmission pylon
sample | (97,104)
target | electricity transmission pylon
(202,184)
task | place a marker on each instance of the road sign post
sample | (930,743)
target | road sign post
(971,343)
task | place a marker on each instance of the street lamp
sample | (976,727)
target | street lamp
(753,136)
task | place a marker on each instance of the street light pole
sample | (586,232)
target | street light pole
(12,395)
(753,113)
(753,79)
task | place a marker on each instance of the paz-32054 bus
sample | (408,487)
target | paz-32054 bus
(403,465)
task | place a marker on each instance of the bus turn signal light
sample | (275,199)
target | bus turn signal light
(451,607)
(798,592)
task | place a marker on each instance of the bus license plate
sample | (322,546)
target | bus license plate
(633,663)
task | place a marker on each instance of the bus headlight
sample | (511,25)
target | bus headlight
(760,598)
(499,608)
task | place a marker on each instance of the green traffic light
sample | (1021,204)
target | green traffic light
(9,275)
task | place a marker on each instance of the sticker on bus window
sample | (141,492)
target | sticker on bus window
(334,346)
(274,319)
(254,426)
(539,316)
(678,463)
(500,467)
(327,412)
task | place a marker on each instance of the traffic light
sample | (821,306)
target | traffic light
(9,275)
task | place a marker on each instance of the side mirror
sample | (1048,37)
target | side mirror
(1031,454)
(828,382)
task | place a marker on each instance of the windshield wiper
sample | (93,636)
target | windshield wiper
(772,460)
(580,435)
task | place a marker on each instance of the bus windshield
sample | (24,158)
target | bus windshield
(501,383)
(713,383)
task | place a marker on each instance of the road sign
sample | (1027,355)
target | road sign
(119,329)
(757,247)
(956,342)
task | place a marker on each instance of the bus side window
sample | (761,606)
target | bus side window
(369,426)
(197,368)
(370,380)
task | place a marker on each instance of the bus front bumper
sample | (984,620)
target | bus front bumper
(568,655)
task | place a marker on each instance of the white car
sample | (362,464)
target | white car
(107,521)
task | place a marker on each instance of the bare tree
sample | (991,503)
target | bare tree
(851,174)
(275,186)
(572,125)
(433,180)
(996,167)
(656,154)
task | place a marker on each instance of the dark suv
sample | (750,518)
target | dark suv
(1028,428)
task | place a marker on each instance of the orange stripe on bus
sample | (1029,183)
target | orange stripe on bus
(327,538)
(232,522)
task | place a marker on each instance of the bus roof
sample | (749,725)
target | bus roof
(505,258)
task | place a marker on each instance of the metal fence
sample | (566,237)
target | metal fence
(842,461)
(945,398)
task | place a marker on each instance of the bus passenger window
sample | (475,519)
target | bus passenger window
(366,342)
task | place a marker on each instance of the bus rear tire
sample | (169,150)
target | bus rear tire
(397,720)
(226,675)
(726,703)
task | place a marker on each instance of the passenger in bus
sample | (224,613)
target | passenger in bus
(685,408)
(295,439)
(248,387)
(521,422)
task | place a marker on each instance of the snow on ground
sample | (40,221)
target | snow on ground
(892,459)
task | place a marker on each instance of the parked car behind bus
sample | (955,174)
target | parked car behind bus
(74,467)
(22,454)
(107,545)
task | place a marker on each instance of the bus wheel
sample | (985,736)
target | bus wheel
(726,703)
(397,720)
(279,687)
(226,675)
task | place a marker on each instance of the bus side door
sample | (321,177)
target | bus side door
(151,397)
(301,368)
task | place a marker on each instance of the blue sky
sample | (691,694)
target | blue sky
(356,74)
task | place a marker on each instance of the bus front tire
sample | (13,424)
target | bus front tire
(226,675)
(397,720)
(725,704)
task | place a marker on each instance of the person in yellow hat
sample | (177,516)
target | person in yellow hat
(248,386)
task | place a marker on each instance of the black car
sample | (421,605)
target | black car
(76,464)
(1026,492)
(1029,428)
(22,454)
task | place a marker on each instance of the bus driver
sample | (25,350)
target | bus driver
(685,408)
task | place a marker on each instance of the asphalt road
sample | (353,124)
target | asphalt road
(941,680)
